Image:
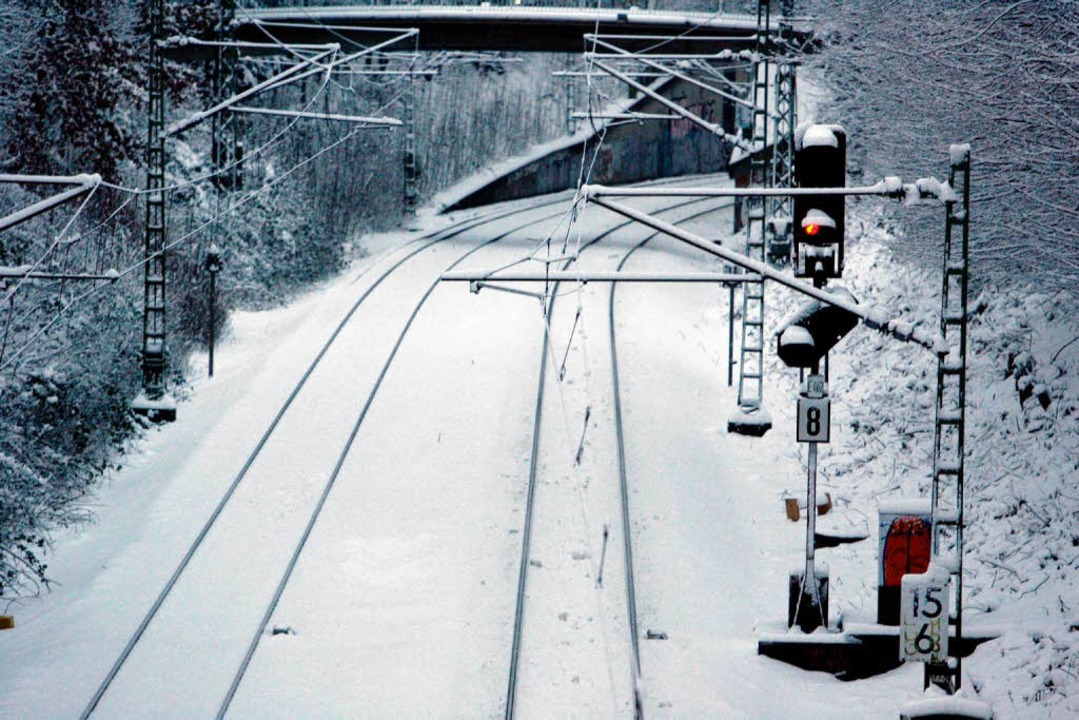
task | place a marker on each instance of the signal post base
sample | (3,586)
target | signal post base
(946,708)
(160,410)
(855,652)
(754,422)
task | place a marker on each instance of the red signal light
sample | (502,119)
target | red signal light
(812,229)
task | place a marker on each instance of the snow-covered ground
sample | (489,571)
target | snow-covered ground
(402,603)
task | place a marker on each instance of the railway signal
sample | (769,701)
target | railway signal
(814,330)
(819,220)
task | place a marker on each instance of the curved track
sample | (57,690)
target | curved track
(422,245)
(287,501)
(527,560)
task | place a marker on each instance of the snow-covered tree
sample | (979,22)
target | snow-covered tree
(911,76)
(75,86)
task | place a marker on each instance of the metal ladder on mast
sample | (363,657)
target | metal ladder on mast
(781,209)
(409,195)
(751,362)
(154,355)
(950,427)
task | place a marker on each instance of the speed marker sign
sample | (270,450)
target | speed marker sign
(923,616)
(814,420)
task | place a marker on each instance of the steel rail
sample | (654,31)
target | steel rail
(424,243)
(623,482)
(328,487)
(526,531)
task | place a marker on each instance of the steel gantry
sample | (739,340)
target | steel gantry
(950,427)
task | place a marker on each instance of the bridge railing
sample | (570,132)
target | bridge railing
(710,6)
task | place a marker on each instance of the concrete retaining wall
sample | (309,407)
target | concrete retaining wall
(629,152)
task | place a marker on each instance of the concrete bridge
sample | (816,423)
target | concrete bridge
(509,28)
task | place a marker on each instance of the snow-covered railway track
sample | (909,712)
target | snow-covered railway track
(261,512)
(568,682)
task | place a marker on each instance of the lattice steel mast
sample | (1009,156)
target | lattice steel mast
(950,429)
(411,172)
(154,354)
(781,209)
(751,362)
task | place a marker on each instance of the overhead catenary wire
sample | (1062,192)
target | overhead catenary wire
(328,487)
(30,274)
(422,244)
(56,243)
(262,26)
(79,299)
(275,139)
(250,155)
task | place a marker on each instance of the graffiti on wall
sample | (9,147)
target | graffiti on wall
(682,127)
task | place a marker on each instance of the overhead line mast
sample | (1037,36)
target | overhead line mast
(154,354)
(751,418)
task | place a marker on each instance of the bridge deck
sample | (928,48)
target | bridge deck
(513,28)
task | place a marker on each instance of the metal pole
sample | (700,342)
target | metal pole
(730,337)
(213,265)
(213,317)
(408,151)
(810,579)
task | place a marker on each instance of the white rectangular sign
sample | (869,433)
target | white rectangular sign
(923,617)
(814,419)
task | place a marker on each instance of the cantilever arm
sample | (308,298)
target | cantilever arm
(875,318)
(83,184)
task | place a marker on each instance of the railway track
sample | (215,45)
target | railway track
(527,559)
(294,407)
(318,381)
